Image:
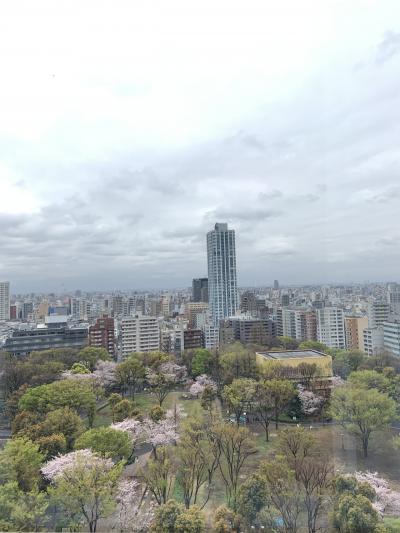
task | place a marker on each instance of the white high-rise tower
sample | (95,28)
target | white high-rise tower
(4,300)
(222,284)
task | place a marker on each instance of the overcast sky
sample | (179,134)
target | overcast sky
(128,128)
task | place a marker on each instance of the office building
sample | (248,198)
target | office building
(101,334)
(276,284)
(4,300)
(140,333)
(56,333)
(330,327)
(27,310)
(222,282)
(391,336)
(354,328)
(200,290)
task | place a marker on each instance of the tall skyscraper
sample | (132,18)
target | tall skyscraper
(222,283)
(200,290)
(4,300)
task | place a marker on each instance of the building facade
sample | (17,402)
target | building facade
(139,334)
(101,334)
(330,327)
(391,336)
(200,290)
(222,282)
(354,328)
(4,300)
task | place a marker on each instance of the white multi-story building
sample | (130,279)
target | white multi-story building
(330,327)
(222,283)
(4,300)
(378,312)
(373,340)
(210,336)
(139,333)
(391,336)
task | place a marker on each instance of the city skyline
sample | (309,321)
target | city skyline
(124,151)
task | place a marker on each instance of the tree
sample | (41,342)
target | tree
(107,442)
(22,511)
(310,402)
(190,521)
(64,421)
(172,517)
(239,395)
(370,379)
(234,445)
(90,355)
(252,497)
(84,485)
(201,362)
(159,475)
(237,362)
(162,380)
(315,477)
(307,371)
(282,392)
(129,374)
(362,411)
(197,463)
(66,393)
(283,492)
(226,521)
(134,514)
(20,461)
(296,444)
(156,413)
(124,409)
(52,445)
(264,404)
(313,345)
(79,368)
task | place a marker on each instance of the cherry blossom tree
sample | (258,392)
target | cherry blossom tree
(311,403)
(133,427)
(167,376)
(57,466)
(134,512)
(202,381)
(104,373)
(387,500)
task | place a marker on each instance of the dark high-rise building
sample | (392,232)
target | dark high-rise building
(101,334)
(276,284)
(285,300)
(200,290)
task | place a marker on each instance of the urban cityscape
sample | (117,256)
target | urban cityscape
(213,311)
(199,266)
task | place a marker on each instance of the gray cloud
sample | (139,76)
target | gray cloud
(389,47)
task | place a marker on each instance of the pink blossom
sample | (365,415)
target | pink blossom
(200,384)
(57,466)
(133,427)
(134,513)
(387,500)
(105,372)
(310,403)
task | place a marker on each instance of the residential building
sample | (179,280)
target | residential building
(210,336)
(373,340)
(192,339)
(354,329)
(139,333)
(222,282)
(101,334)
(247,330)
(200,290)
(391,336)
(330,327)
(378,313)
(192,309)
(4,300)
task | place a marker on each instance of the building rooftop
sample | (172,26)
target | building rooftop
(292,354)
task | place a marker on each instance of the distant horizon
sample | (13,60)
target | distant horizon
(282,285)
